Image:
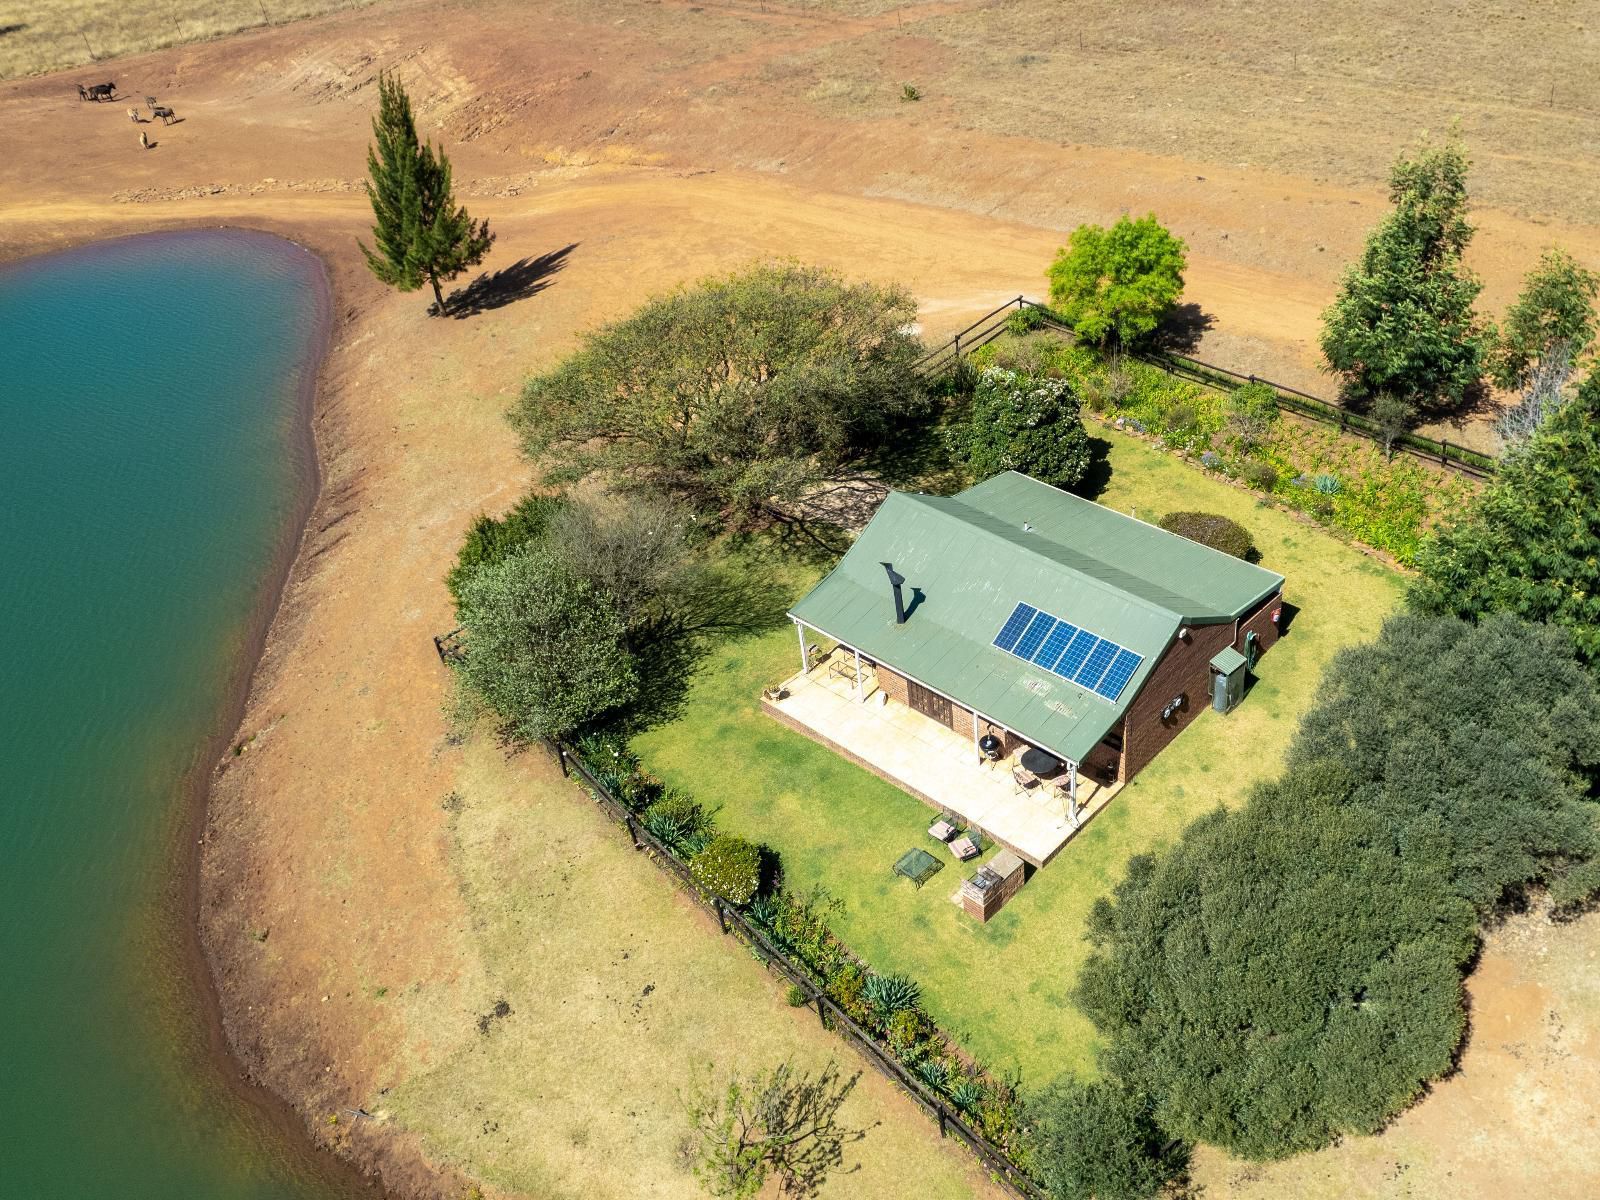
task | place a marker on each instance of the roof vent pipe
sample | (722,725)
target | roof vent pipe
(895,581)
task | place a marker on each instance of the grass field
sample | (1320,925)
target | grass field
(1003,987)
(617,990)
(42,35)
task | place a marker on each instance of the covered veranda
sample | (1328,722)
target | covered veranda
(836,699)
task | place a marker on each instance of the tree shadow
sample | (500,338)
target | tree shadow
(1182,329)
(1098,477)
(739,599)
(522,279)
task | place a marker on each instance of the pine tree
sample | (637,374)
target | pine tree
(421,234)
(1403,322)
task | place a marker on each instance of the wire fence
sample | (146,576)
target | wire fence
(943,358)
(735,924)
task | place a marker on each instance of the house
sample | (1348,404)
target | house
(1023,618)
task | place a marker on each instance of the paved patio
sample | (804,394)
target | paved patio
(935,764)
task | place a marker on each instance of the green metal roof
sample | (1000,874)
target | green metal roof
(968,560)
(1228,660)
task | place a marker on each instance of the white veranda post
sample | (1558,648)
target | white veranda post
(1072,793)
(859,696)
(805,657)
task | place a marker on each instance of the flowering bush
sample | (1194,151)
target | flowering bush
(1026,423)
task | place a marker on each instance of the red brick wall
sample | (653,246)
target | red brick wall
(1260,623)
(896,686)
(1184,669)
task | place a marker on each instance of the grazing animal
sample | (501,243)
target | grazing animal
(133,115)
(101,91)
(83,92)
(144,139)
(149,101)
(162,111)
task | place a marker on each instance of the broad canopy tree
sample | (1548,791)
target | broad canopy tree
(422,235)
(1554,316)
(545,650)
(1403,323)
(741,393)
(1529,544)
(1115,285)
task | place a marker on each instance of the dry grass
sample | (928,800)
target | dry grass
(618,989)
(1322,90)
(44,35)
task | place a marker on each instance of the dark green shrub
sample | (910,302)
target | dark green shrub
(1100,1141)
(491,539)
(1303,939)
(729,867)
(1262,476)
(1024,321)
(679,822)
(1211,529)
(844,988)
(907,1030)
(1022,423)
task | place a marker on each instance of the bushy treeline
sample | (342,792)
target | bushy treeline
(1291,971)
(579,610)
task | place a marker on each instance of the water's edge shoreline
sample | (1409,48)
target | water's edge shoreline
(181,918)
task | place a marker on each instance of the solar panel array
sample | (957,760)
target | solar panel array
(1064,649)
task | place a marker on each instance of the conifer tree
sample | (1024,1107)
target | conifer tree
(1403,323)
(421,234)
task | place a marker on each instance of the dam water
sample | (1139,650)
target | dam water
(155,470)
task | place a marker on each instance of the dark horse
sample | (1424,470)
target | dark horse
(98,92)
(162,111)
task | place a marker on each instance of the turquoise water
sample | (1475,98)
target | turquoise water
(154,472)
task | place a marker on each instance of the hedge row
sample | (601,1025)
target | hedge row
(1343,482)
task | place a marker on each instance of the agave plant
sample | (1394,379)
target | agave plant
(966,1094)
(1327,485)
(889,994)
(933,1073)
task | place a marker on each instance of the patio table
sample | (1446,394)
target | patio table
(1040,762)
(918,866)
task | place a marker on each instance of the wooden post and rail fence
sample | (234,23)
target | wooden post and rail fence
(944,357)
(732,922)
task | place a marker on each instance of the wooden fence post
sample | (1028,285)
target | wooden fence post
(633,831)
(561,757)
(939,1108)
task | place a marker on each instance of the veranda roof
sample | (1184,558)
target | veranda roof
(969,560)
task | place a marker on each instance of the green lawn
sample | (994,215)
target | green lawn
(1003,987)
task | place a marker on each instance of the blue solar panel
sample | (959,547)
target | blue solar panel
(1095,666)
(1117,676)
(1054,645)
(1015,624)
(1063,649)
(1076,653)
(1038,628)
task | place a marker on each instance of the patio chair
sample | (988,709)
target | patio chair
(1024,778)
(968,846)
(941,831)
